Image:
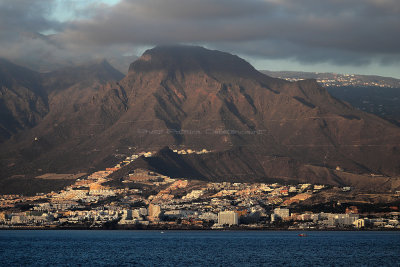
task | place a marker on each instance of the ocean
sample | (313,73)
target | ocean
(198,248)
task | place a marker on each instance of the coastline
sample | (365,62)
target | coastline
(162,228)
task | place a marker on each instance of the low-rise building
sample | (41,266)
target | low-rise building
(282,213)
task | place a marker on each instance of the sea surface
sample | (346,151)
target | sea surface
(197,248)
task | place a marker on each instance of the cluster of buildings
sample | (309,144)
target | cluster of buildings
(145,199)
(352,80)
(191,151)
(340,80)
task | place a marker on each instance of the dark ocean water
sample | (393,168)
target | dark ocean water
(198,248)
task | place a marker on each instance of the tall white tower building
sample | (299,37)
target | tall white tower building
(228,217)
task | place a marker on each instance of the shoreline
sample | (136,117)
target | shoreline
(241,229)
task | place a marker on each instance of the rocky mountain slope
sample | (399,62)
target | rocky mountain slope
(251,167)
(374,94)
(23,102)
(191,97)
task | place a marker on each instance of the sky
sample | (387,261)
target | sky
(342,36)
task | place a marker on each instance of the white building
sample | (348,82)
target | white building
(346,219)
(228,217)
(178,213)
(359,223)
(274,217)
(127,214)
(154,212)
(142,211)
(195,194)
(282,212)
(210,216)
(127,217)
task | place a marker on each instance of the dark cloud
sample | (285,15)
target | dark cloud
(24,16)
(21,22)
(278,49)
(336,31)
(339,31)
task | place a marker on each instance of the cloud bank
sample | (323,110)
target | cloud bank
(339,32)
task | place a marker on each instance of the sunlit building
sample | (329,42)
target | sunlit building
(228,217)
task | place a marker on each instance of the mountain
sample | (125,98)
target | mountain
(26,96)
(70,93)
(23,102)
(192,97)
(85,75)
(191,89)
(251,167)
(122,63)
(374,94)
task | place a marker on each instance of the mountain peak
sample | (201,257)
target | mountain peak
(98,62)
(99,70)
(186,58)
(12,73)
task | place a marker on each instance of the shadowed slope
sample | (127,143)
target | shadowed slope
(191,97)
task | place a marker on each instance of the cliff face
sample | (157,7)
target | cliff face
(182,96)
(23,102)
(218,101)
(79,100)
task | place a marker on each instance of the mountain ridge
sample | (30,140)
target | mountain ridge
(370,93)
(209,106)
(23,101)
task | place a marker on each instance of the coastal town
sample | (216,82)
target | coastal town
(148,200)
(339,80)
